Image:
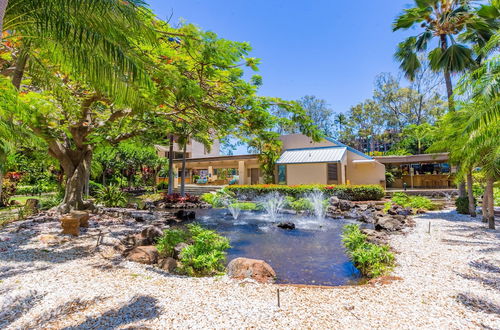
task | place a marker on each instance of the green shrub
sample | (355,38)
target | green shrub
(350,192)
(304,204)
(170,238)
(162,186)
(372,260)
(462,204)
(416,202)
(220,198)
(246,206)
(205,254)
(94,187)
(111,196)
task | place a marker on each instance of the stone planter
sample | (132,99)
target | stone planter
(70,225)
(82,216)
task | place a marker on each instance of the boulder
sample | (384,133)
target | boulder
(345,205)
(149,206)
(32,204)
(334,201)
(375,237)
(178,249)
(168,264)
(286,225)
(185,215)
(151,234)
(388,224)
(134,206)
(258,270)
(143,254)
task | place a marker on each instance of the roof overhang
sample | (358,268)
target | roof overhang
(312,155)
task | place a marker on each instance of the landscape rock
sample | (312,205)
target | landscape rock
(178,249)
(389,224)
(32,204)
(185,215)
(143,254)
(375,237)
(151,234)
(286,225)
(168,264)
(345,205)
(245,268)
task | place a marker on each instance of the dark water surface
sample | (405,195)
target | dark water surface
(310,254)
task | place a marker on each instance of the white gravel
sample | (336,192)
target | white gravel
(450,279)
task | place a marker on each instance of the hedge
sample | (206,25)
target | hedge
(350,192)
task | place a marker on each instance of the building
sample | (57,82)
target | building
(302,162)
(420,171)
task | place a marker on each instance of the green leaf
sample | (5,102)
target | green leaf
(456,58)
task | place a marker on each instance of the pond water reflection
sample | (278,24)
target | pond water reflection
(310,254)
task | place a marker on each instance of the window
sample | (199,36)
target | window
(333,172)
(281,174)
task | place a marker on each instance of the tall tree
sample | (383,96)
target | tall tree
(443,20)
(93,38)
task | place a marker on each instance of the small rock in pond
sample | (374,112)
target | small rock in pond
(185,215)
(286,225)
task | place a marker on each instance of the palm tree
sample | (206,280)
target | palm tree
(446,21)
(93,39)
(340,119)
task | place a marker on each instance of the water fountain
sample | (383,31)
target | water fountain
(317,199)
(235,210)
(273,203)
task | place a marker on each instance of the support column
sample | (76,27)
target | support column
(210,173)
(242,172)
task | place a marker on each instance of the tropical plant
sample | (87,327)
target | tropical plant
(203,256)
(448,21)
(111,196)
(96,39)
(171,237)
(372,260)
(415,202)
(206,254)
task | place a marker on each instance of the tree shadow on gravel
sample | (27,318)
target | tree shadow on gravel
(13,307)
(9,271)
(478,304)
(140,308)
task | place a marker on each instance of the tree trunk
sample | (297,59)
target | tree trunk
(3,7)
(470,194)
(21,61)
(491,201)
(171,166)
(451,103)
(1,183)
(76,168)
(484,206)
(183,172)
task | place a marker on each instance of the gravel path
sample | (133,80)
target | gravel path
(450,279)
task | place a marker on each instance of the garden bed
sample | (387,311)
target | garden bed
(448,281)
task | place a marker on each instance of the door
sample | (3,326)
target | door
(254,176)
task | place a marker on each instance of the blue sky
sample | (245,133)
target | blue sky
(332,49)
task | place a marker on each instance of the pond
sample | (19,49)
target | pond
(312,253)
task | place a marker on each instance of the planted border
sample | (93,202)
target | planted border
(372,260)
(349,192)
